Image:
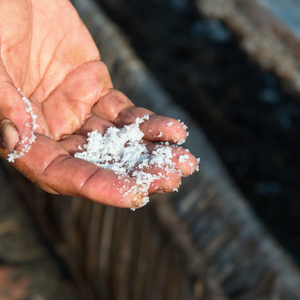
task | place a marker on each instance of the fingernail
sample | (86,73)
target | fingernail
(9,134)
(138,201)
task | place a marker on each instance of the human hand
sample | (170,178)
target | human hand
(47,52)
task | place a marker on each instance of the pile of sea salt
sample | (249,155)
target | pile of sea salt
(25,143)
(122,150)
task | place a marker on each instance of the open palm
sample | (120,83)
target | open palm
(47,52)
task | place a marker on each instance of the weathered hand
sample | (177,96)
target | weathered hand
(47,52)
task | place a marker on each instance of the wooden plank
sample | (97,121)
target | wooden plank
(267,30)
(28,269)
(287,11)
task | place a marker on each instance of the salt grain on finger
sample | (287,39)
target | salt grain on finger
(122,150)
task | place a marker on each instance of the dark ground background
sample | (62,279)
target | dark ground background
(252,122)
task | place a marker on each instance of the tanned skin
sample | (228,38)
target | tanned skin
(48,53)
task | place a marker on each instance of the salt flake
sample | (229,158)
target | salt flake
(123,151)
(25,143)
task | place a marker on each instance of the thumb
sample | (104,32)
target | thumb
(9,134)
(17,122)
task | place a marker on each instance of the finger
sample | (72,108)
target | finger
(166,182)
(182,160)
(94,123)
(149,180)
(9,134)
(73,143)
(111,104)
(115,107)
(50,166)
(157,128)
(17,119)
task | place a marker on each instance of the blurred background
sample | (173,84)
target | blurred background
(230,68)
(253,122)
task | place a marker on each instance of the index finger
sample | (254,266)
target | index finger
(115,107)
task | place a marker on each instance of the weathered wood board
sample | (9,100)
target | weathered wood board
(268,30)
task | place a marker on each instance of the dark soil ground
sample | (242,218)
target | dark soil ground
(252,122)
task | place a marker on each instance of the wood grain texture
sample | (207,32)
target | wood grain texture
(265,31)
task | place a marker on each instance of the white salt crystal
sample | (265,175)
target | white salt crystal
(183,158)
(182,141)
(25,143)
(123,151)
(184,126)
(198,162)
(160,134)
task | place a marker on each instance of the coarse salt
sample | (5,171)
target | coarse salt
(159,135)
(25,143)
(182,141)
(184,125)
(183,158)
(122,150)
